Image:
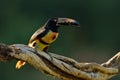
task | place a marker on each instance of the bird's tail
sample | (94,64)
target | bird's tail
(19,64)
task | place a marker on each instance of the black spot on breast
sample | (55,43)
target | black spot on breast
(53,37)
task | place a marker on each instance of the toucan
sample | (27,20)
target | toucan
(47,34)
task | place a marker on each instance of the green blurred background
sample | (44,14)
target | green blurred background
(96,40)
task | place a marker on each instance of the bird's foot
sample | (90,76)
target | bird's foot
(50,56)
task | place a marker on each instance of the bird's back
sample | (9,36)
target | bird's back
(37,34)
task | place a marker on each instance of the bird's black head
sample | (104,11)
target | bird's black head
(54,23)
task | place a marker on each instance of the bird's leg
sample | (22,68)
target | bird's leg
(50,56)
(46,50)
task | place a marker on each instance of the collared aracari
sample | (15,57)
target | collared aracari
(47,34)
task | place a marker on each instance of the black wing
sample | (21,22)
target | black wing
(36,34)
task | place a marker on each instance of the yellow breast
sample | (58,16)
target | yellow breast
(50,37)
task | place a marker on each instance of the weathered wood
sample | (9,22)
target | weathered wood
(60,66)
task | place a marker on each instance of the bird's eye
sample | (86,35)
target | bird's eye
(55,20)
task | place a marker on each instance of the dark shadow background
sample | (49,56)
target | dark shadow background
(96,40)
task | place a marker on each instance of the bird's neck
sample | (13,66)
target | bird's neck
(51,27)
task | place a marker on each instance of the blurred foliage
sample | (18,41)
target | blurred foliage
(96,40)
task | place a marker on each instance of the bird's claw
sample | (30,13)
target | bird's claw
(50,56)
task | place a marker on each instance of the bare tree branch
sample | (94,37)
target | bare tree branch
(60,66)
